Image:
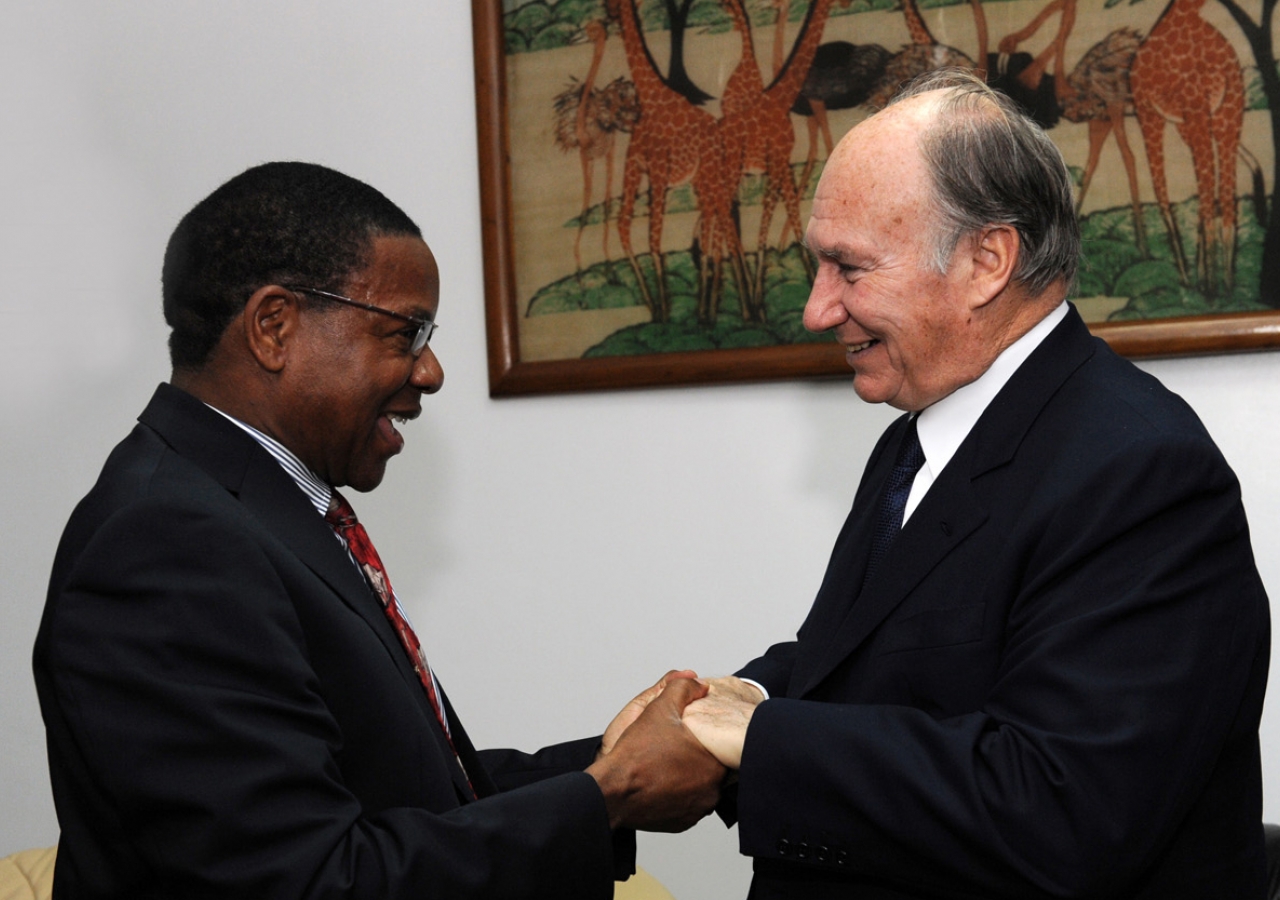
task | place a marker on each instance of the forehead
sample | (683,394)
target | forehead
(875,182)
(401,276)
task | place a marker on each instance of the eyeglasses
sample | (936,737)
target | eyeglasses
(426,327)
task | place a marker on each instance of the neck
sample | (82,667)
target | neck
(643,71)
(918,30)
(1018,315)
(227,393)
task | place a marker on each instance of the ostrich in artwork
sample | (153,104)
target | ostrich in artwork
(843,76)
(925,54)
(587,118)
(1098,93)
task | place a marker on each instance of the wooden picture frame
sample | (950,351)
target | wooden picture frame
(514,371)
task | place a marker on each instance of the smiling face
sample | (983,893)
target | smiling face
(907,330)
(350,376)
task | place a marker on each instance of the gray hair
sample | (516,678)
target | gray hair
(990,164)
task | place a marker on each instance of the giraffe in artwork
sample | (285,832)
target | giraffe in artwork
(745,83)
(674,142)
(757,127)
(1186,72)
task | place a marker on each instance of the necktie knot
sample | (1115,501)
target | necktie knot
(340,514)
(910,459)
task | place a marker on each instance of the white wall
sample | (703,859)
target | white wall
(558,553)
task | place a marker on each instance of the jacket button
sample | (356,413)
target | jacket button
(784,847)
(802,850)
(823,854)
(842,857)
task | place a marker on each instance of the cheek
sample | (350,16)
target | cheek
(935,331)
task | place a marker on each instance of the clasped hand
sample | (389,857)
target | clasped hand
(663,758)
(719,720)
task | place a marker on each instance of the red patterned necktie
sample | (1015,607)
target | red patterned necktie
(342,518)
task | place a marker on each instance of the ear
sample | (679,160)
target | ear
(270,321)
(995,253)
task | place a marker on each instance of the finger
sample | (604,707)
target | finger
(645,697)
(683,691)
(672,675)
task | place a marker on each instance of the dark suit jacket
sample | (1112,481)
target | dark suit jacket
(229,713)
(1053,684)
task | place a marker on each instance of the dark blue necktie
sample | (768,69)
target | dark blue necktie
(894,499)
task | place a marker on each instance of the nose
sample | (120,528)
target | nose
(823,311)
(428,375)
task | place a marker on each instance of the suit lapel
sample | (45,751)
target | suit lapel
(240,465)
(819,647)
(475,770)
(845,613)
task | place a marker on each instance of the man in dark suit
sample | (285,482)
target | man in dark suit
(235,704)
(1048,681)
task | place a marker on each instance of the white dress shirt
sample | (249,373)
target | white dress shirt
(944,425)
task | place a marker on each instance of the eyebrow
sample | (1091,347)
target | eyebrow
(837,252)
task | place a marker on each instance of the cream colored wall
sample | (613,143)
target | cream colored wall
(558,553)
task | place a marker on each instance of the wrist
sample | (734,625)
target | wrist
(615,785)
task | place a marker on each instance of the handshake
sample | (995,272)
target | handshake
(665,757)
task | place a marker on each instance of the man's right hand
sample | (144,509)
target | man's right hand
(720,719)
(657,776)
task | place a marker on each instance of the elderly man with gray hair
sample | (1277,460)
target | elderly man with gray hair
(1036,664)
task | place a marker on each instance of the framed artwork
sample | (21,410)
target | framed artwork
(647,167)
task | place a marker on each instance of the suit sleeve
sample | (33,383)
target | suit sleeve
(1130,670)
(512,769)
(773,670)
(185,711)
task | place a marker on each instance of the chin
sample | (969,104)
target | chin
(366,481)
(870,393)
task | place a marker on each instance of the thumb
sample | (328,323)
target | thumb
(680,692)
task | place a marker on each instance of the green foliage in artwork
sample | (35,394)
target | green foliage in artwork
(523,25)
(704,15)
(578,12)
(1113,267)
(557,34)
(542,25)
(611,285)
(1255,95)
(1102,259)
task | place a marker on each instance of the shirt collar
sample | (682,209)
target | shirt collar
(317,491)
(944,425)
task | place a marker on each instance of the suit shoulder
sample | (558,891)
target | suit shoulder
(144,495)
(1112,402)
